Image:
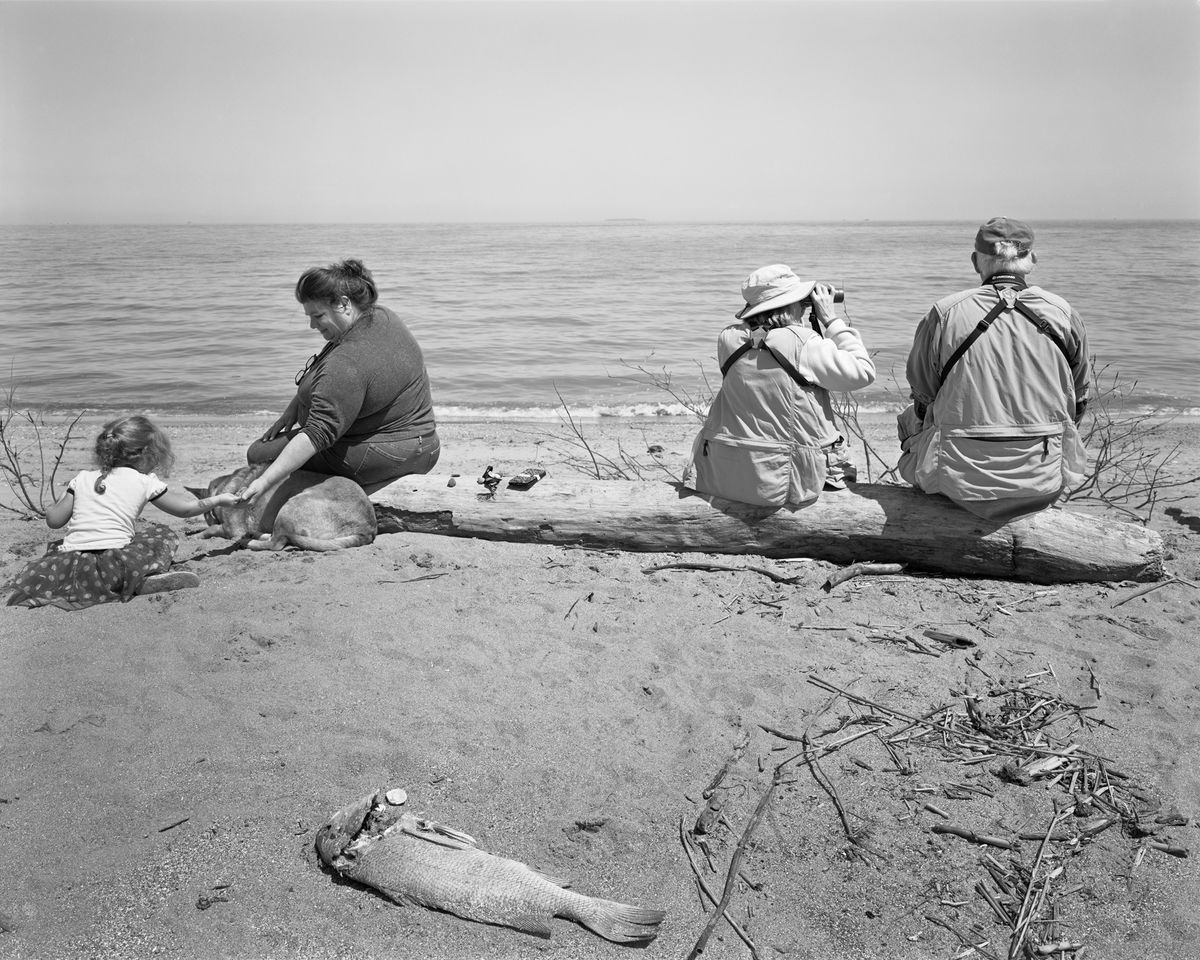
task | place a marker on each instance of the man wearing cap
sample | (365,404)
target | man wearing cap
(999,381)
(770,438)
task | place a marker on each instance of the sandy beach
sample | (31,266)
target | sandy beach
(167,762)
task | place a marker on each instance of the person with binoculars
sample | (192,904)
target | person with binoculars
(769,438)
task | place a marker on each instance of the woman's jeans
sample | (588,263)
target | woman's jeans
(377,462)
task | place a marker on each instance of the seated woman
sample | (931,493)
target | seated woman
(362,407)
(770,438)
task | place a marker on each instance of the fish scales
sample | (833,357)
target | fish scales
(469,883)
(415,861)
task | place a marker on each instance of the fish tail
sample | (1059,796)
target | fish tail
(619,922)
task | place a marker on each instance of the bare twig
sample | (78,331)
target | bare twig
(34,487)
(714,801)
(735,863)
(860,570)
(778,578)
(977,944)
(1035,893)
(1168,848)
(662,380)
(949,639)
(1125,474)
(845,412)
(687,846)
(972,836)
(595,463)
(856,837)
(1152,587)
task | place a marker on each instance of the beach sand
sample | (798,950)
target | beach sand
(167,762)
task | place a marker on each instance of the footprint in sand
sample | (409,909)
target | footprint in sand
(246,643)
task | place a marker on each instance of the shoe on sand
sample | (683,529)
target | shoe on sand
(526,478)
(177,580)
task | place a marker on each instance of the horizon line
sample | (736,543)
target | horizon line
(614,221)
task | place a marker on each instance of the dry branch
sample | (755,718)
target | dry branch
(1152,587)
(735,863)
(687,846)
(860,570)
(973,837)
(719,567)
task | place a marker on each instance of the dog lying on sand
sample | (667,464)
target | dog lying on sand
(311,511)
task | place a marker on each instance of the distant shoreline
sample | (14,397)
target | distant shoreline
(17,225)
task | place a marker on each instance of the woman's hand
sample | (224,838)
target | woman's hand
(282,425)
(253,491)
(822,303)
(285,422)
(298,451)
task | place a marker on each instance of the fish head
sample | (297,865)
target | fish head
(341,829)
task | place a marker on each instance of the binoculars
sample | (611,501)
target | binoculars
(839,295)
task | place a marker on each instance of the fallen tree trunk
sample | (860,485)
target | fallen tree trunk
(876,523)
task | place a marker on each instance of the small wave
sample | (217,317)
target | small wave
(601,411)
(582,412)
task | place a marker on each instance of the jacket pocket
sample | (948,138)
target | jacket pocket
(1000,468)
(759,473)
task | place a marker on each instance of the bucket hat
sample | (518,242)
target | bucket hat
(770,287)
(1003,230)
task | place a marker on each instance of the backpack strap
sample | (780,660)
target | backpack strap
(749,345)
(1044,326)
(980,329)
(1011,301)
(735,357)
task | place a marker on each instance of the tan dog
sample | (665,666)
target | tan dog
(312,511)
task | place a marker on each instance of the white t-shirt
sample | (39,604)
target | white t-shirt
(101,521)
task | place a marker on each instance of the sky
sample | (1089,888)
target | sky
(168,111)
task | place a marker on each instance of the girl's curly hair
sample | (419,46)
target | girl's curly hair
(132,442)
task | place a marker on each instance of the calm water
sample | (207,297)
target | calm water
(201,318)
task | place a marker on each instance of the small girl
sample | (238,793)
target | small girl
(103,557)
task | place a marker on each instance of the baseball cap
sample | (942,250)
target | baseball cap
(1003,230)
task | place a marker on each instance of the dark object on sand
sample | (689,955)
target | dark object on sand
(526,478)
(490,480)
(411,860)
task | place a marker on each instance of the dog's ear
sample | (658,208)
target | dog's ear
(196,492)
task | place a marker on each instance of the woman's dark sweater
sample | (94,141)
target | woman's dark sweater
(371,383)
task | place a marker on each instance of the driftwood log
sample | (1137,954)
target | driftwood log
(876,523)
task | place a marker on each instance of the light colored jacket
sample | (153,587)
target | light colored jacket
(766,437)
(997,431)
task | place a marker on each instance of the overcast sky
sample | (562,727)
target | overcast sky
(280,111)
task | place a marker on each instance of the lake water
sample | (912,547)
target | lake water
(517,319)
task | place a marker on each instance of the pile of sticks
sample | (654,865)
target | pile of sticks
(1030,735)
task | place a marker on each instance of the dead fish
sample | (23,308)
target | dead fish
(412,860)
